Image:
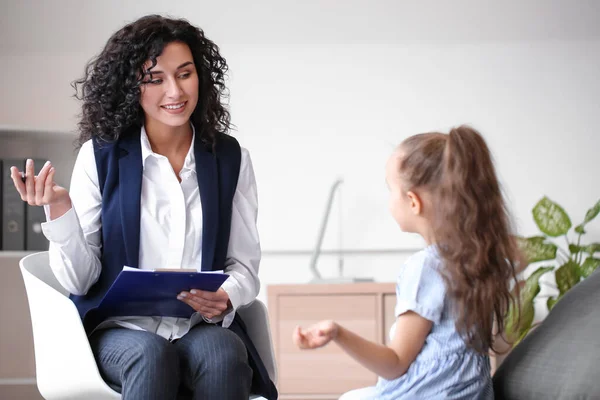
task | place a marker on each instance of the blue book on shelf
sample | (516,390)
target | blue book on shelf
(138,292)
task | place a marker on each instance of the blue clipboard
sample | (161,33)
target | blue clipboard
(138,292)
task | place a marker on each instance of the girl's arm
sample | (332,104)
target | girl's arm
(389,362)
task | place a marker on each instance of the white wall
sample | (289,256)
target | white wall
(326,89)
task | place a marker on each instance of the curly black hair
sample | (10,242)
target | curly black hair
(110,88)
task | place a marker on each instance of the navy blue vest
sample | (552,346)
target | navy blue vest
(119,168)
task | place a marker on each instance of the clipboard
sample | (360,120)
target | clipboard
(138,292)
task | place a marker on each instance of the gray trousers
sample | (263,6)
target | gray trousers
(209,362)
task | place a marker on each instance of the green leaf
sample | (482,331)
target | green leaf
(537,249)
(515,328)
(523,334)
(589,265)
(591,213)
(551,302)
(532,284)
(551,218)
(567,276)
(592,248)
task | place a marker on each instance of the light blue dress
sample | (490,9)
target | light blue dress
(445,368)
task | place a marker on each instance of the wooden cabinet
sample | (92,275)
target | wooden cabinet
(326,373)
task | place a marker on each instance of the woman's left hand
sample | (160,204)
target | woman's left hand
(209,304)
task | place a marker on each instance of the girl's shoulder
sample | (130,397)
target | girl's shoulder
(426,259)
(420,286)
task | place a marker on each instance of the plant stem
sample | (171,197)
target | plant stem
(579,256)
(568,246)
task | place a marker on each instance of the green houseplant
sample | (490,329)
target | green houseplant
(570,266)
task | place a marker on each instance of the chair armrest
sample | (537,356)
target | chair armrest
(65,365)
(256,317)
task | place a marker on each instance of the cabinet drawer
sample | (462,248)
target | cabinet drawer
(329,369)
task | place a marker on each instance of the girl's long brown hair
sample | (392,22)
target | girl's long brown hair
(471,226)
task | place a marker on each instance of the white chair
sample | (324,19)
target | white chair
(65,365)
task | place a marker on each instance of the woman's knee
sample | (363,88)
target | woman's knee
(126,347)
(136,360)
(219,364)
(214,349)
(230,349)
(236,350)
(157,352)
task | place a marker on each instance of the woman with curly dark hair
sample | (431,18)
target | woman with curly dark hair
(158,183)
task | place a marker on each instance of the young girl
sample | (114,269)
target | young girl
(443,187)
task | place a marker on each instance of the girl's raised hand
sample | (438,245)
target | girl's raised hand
(315,336)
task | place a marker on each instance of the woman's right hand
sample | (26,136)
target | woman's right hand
(41,190)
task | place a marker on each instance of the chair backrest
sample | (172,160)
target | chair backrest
(38,266)
(256,317)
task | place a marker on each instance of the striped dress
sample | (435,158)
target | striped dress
(445,368)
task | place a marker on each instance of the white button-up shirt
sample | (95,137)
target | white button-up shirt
(170,233)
